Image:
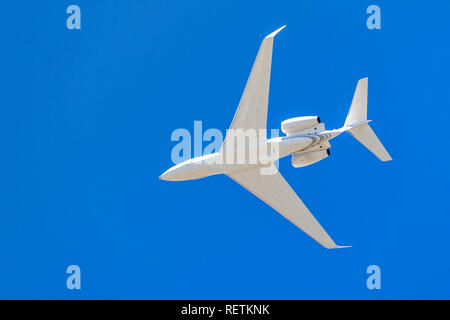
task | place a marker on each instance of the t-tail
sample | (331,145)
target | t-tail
(357,124)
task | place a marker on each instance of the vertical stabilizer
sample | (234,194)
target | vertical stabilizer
(358,109)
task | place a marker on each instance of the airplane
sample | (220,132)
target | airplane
(305,139)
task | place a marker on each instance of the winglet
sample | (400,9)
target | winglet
(273,34)
(339,247)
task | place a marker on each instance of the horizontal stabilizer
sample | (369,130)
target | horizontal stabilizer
(364,134)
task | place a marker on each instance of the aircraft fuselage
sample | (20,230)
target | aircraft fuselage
(240,158)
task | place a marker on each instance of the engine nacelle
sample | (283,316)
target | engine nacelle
(305,159)
(294,125)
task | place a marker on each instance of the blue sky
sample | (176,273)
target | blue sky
(86,118)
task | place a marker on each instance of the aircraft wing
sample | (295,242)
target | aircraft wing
(277,193)
(252,110)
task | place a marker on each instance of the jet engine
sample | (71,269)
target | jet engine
(295,125)
(305,159)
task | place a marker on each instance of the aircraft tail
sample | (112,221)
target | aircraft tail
(357,125)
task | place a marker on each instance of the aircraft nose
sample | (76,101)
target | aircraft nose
(168,175)
(176,173)
(164,176)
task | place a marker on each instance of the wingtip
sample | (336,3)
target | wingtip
(273,34)
(341,247)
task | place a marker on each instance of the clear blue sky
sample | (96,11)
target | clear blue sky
(86,118)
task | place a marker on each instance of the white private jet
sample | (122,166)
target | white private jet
(306,139)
